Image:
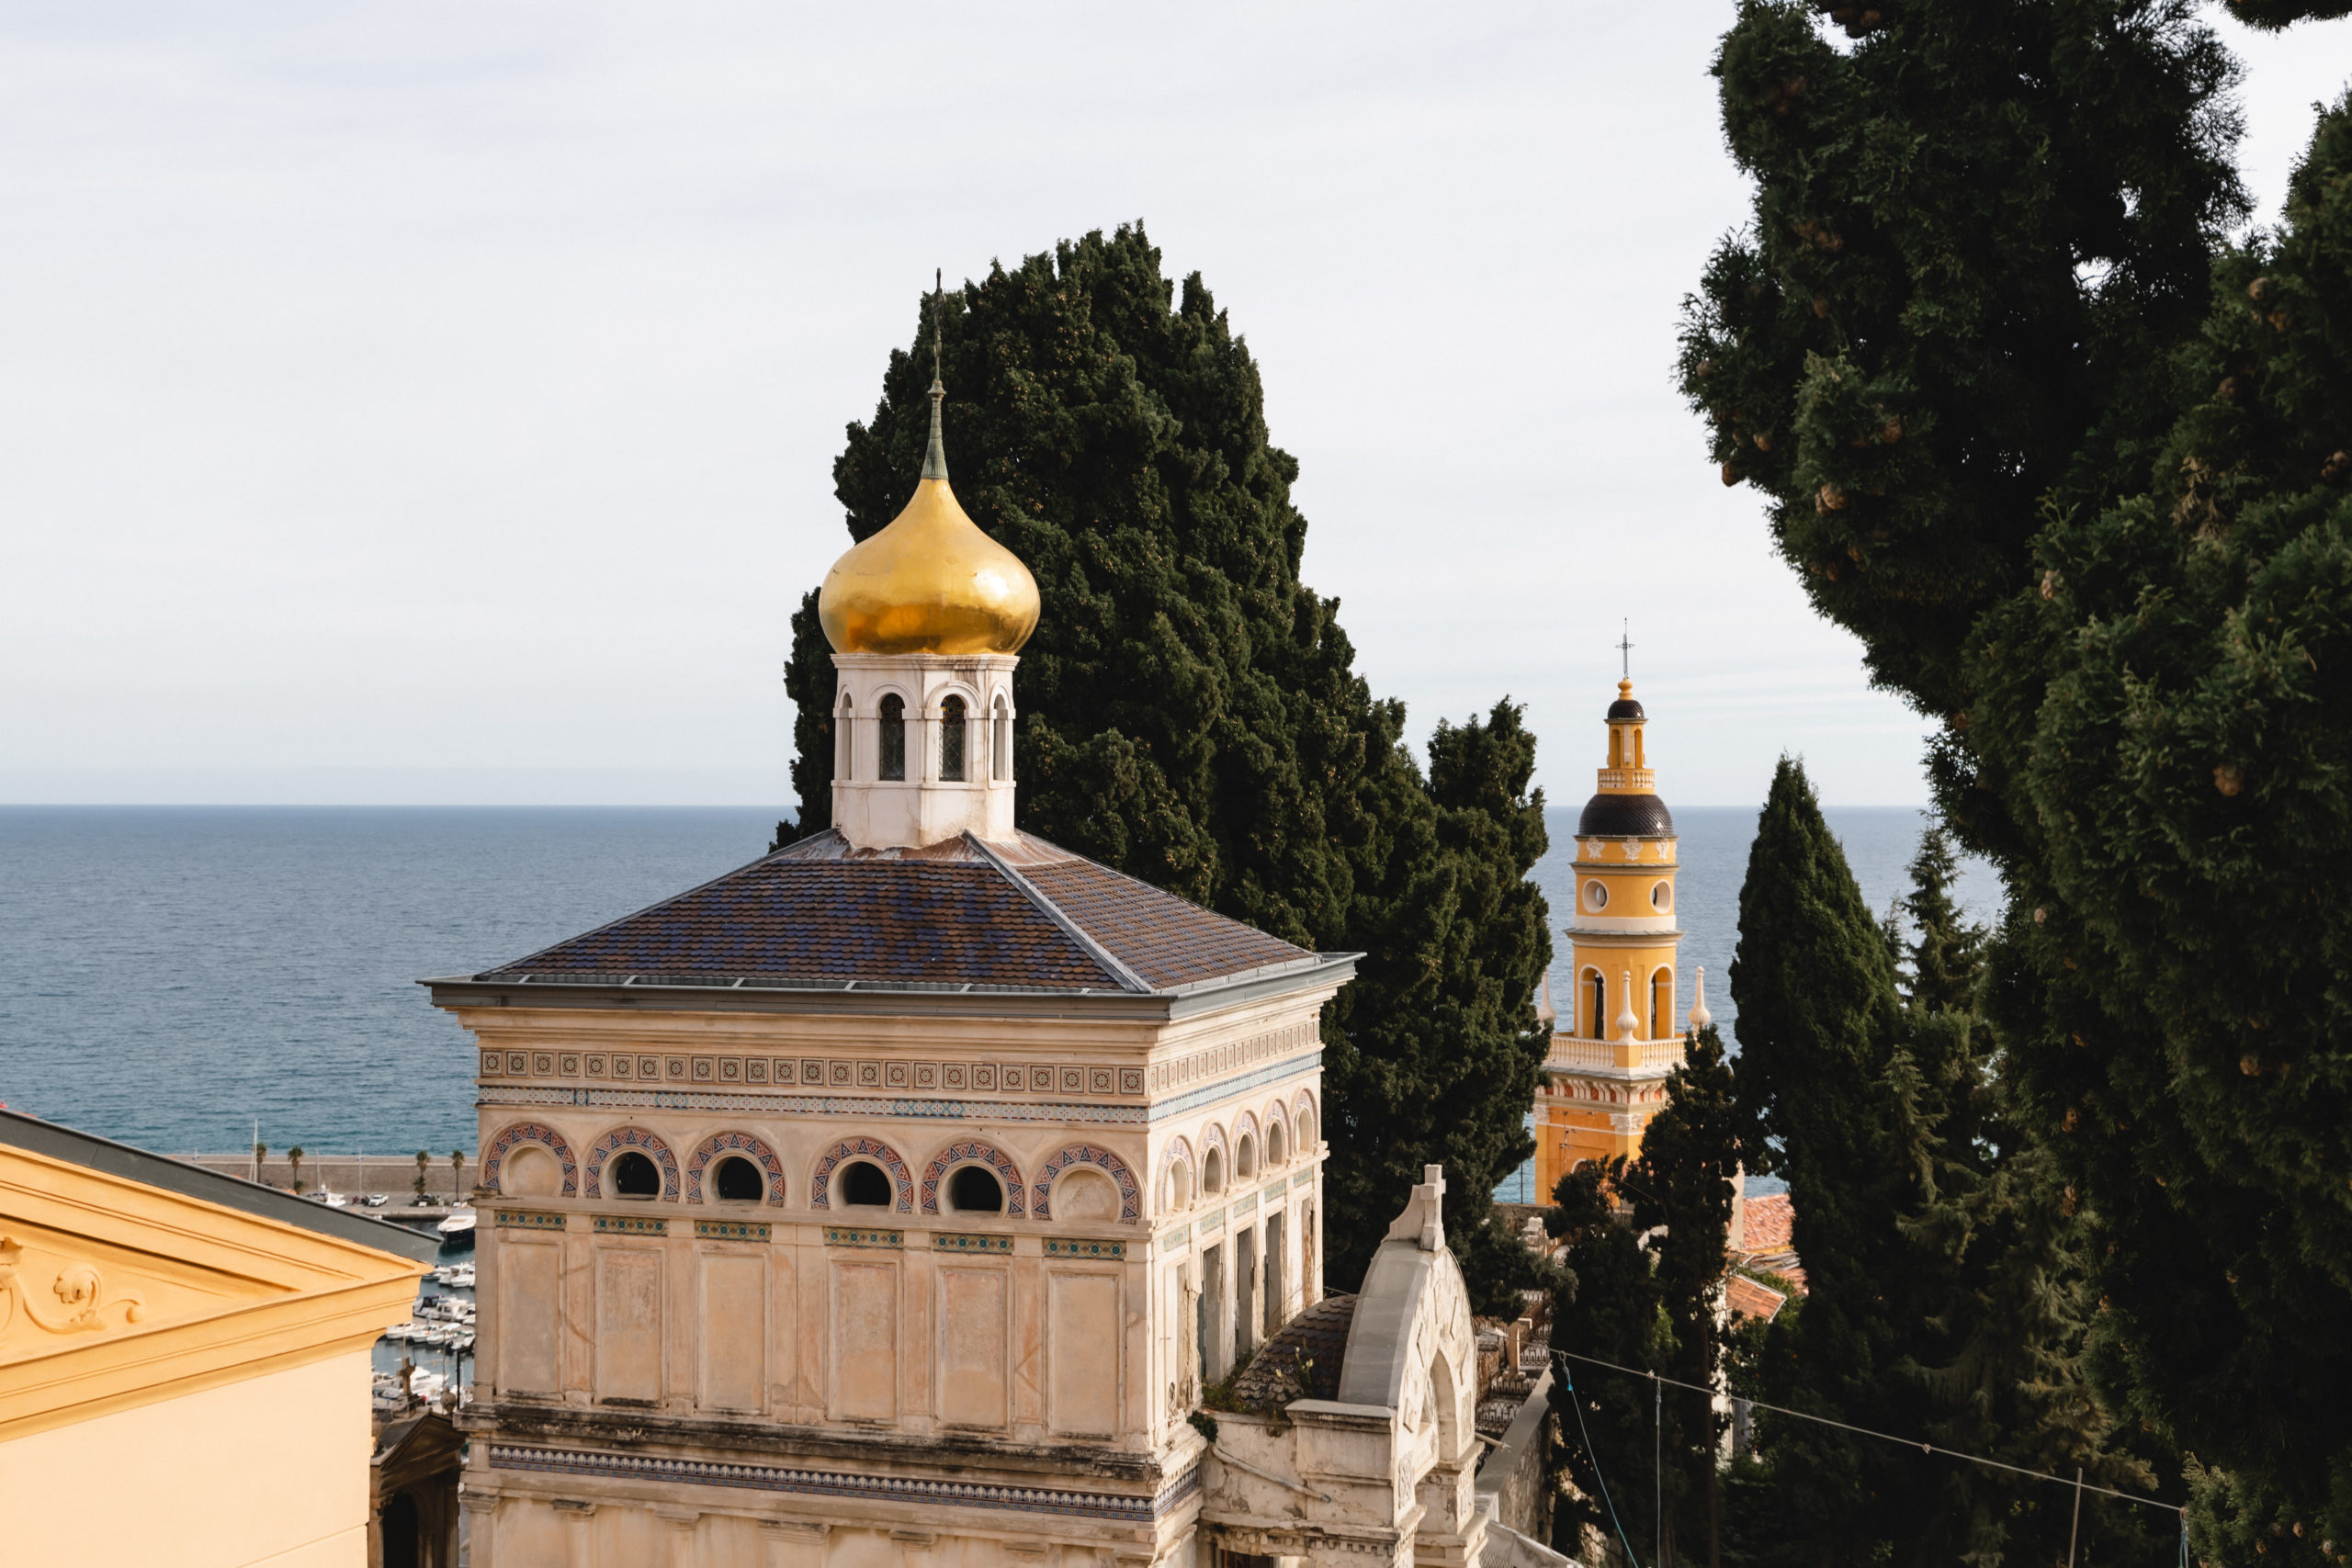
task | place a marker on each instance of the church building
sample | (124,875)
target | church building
(1614,1043)
(891,1201)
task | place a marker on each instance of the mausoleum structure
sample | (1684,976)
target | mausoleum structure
(887,1203)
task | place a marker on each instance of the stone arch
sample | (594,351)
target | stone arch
(1245,1131)
(1111,1165)
(745,1144)
(1215,1159)
(973,1151)
(1178,1153)
(1278,1123)
(846,740)
(821,1182)
(537,1133)
(620,1140)
(1303,1120)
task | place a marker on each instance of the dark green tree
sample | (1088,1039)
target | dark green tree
(1814,984)
(1682,1187)
(2073,469)
(1607,1305)
(1191,712)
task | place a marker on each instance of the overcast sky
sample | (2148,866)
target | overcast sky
(433,402)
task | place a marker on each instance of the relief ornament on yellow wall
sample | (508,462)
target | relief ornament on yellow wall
(83,1303)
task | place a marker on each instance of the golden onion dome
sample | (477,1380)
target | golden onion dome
(931,582)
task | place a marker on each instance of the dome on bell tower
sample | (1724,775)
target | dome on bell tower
(931,582)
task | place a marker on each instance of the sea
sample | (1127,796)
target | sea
(177,976)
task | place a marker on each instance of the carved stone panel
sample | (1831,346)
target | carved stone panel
(865,1341)
(974,1329)
(734,1336)
(628,1325)
(1082,1350)
(529,1275)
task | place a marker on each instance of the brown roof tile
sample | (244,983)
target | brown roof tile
(951,914)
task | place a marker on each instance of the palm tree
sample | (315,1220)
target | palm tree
(456,1176)
(422,1160)
(294,1159)
(261,1155)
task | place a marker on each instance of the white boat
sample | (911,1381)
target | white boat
(463,1220)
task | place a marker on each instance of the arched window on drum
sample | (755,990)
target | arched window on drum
(952,739)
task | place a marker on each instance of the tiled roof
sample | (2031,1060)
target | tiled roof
(1021,916)
(1302,1361)
(1748,1298)
(1768,1234)
(1160,936)
(1771,1224)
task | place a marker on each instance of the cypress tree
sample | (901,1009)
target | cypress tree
(1192,716)
(1682,1187)
(1814,984)
(2075,470)
(1607,1305)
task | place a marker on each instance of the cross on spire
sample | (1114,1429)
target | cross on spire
(1625,651)
(934,462)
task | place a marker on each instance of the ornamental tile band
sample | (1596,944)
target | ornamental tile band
(1212,1221)
(526,1220)
(1176,1237)
(631,1224)
(731,1230)
(843,1236)
(1304,1179)
(1125,1509)
(1246,1202)
(1057,1247)
(867,1106)
(947,1241)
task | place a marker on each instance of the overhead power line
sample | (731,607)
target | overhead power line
(2078,1484)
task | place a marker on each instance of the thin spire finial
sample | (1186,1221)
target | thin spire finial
(935,461)
(1625,649)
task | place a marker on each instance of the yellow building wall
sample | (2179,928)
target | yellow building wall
(270,1469)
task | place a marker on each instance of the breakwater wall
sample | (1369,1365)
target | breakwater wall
(391,1175)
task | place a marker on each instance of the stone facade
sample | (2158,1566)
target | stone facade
(805,1376)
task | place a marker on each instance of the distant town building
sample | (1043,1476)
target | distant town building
(1616,1036)
(184,1359)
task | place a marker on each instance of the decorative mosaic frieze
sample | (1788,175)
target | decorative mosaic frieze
(731,1230)
(623,1140)
(631,1224)
(1056,1246)
(750,1146)
(1304,1179)
(519,1133)
(1111,1165)
(1124,1508)
(1218,1061)
(1175,1238)
(947,1241)
(1245,1203)
(1226,1089)
(526,1220)
(820,1185)
(975,1151)
(826,1072)
(866,1107)
(1212,1221)
(845,1235)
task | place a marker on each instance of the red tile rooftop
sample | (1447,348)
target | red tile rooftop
(1747,1298)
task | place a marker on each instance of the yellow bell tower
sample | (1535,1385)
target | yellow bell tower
(1616,1038)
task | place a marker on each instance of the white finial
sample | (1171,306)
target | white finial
(1626,1021)
(1700,1016)
(1544,1012)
